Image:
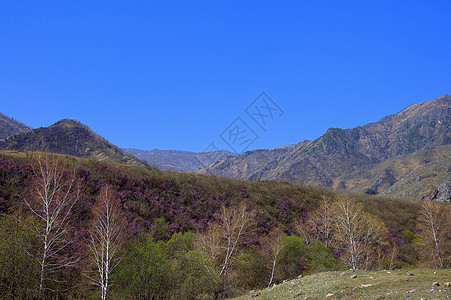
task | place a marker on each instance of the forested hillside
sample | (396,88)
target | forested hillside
(184,235)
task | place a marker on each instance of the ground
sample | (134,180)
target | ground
(397,284)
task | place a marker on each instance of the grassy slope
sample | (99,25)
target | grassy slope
(367,285)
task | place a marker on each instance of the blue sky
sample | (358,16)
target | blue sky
(176,74)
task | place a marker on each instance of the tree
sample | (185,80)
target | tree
(435,233)
(53,195)
(319,258)
(189,273)
(107,234)
(303,228)
(167,270)
(251,268)
(357,231)
(321,221)
(221,240)
(292,258)
(146,271)
(19,271)
(276,242)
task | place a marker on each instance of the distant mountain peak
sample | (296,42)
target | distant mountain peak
(68,122)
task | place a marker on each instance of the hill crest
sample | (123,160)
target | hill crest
(71,137)
(10,126)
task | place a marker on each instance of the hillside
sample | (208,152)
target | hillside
(339,157)
(366,285)
(69,136)
(10,127)
(179,161)
(161,205)
(186,199)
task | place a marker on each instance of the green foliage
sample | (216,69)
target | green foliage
(292,258)
(409,236)
(144,273)
(193,275)
(160,230)
(396,264)
(157,269)
(299,258)
(252,270)
(19,272)
(319,258)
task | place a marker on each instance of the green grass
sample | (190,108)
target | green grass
(395,284)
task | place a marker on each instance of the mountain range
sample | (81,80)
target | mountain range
(372,158)
(177,160)
(407,154)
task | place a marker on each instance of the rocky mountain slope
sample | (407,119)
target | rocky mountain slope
(179,161)
(69,136)
(339,157)
(431,180)
(244,165)
(10,127)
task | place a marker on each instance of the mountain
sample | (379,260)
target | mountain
(179,161)
(247,165)
(69,136)
(10,127)
(349,158)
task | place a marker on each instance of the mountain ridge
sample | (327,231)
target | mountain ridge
(179,160)
(339,152)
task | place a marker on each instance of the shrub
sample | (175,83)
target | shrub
(292,259)
(319,258)
(19,272)
(157,269)
(145,272)
(251,269)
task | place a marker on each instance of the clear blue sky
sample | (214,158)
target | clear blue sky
(175,74)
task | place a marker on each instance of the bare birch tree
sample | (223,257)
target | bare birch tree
(221,241)
(276,244)
(303,228)
(356,230)
(321,221)
(107,234)
(435,225)
(210,243)
(52,197)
